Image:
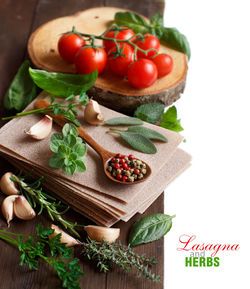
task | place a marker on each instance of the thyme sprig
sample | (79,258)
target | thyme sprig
(106,255)
(60,258)
(91,38)
(36,197)
(68,110)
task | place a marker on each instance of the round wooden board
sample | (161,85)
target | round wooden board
(109,89)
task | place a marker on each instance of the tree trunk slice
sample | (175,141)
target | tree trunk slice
(110,90)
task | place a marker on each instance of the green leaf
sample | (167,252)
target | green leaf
(67,162)
(80,149)
(157,20)
(174,39)
(21,91)
(150,228)
(123,121)
(132,20)
(55,141)
(172,126)
(56,161)
(69,170)
(170,121)
(148,133)
(139,142)
(80,166)
(62,84)
(69,128)
(70,140)
(150,112)
(170,114)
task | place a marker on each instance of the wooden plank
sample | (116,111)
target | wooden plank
(27,18)
(16,19)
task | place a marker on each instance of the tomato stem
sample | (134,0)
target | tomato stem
(92,37)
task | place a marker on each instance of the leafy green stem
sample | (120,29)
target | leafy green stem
(36,196)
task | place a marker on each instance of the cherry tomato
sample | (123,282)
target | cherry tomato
(164,64)
(89,59)
(150,41)
(122,35)
(142,73)
(119,65)
(68,45)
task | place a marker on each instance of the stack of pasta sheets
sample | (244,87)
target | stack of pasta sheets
(91,193)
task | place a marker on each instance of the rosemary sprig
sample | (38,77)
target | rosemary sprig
(106,255)
(35,196)
(60,257)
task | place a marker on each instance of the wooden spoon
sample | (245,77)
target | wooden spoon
(105,155)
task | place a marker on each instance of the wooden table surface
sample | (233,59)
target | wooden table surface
(18,20)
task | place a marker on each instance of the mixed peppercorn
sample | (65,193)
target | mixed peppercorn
(126,168)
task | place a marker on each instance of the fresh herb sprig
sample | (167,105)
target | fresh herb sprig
(69,150)
(68,110)
(106,255)
(154,112)
(139,138)
(39,199)
(60,258)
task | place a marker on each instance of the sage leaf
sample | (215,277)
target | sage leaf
(132,20)
(148,133)
(21,91)
(124,121)
(150,228)
(174,39)
(139,142)
(150,112)
(62,84)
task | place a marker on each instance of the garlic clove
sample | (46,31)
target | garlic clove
(7,186)
(99,233)
(41,129)
(65,238)
(22,209)
(92,113)
(7,208)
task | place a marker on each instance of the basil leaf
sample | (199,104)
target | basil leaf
(157,20)
(132,20)
(123,121)
(139,142)
(150,228)
(62,84)
(150,112)
(148,133)
(174,39)
(21,91)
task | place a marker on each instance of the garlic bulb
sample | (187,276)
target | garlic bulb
(41,129)
(7,186)
(7,208)
(65,238)
(92,113)
(99,233)
(22,209)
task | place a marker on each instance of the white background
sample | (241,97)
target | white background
(211,199)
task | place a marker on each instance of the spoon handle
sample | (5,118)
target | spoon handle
(60,120)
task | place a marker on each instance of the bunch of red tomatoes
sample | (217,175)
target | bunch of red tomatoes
(141,71)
